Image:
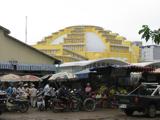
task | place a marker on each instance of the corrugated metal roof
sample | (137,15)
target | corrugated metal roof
(143,64)
(87,62)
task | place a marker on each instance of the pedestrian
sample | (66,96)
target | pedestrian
(46,95)
(26,89)
(33,95)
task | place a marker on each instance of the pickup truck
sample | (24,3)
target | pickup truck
(145,98)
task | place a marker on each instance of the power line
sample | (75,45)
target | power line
(26,30)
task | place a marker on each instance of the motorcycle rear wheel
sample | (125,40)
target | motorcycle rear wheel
(89,104)
(23,107)
(54,107)
(76,105)
(41,107)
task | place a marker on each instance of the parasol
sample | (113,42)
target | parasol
(10,78)
(62,76)
(30,78)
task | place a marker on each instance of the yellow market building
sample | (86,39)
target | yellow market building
(77,43)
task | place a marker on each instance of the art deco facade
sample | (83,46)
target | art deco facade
(77,43)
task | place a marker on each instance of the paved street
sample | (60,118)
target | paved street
(105,114)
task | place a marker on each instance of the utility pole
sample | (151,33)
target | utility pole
(26,30)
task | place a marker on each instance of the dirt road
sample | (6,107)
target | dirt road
(105,114)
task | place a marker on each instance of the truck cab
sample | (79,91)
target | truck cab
(145,98)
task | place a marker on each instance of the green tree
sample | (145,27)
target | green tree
(147,34)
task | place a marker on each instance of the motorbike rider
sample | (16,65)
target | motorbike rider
(40,99)
(63,93)
(14,91)
(10,90)
(19,89)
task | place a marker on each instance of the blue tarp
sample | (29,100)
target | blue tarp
(83,74)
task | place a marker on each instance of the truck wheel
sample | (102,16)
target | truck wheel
(128,112)
(152,111)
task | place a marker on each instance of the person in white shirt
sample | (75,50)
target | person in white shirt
(52,92)
(20,91)
(33,94)
(46,95)
(47,90)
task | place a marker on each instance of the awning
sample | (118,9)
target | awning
(129,68)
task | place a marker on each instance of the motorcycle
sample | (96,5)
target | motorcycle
(14,104)
(65,103)
(87,102)
(40,103)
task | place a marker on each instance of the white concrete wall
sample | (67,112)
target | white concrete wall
(94,43)
(147,53)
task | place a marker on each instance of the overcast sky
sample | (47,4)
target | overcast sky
(47,16)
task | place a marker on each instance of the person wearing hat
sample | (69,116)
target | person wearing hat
(26,90)
(33,94)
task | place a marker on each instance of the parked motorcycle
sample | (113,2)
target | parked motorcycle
(14,104)
(87,102)
(40,103)
(65,102)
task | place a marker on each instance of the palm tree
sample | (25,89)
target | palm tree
(147,33)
